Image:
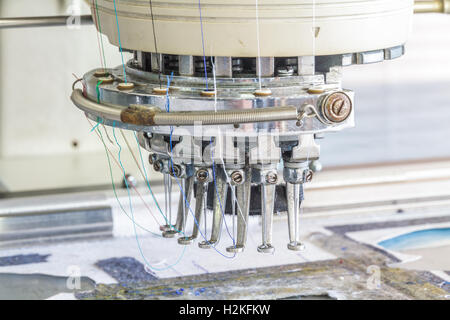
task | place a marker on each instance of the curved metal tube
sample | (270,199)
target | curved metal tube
(100,110)
(432,6)
(148,116)
(225,117)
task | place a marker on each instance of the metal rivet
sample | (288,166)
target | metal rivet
(106,80)
(316,90)
(101,73)
(125,86)
(160,91)
(208,93)
(262,92)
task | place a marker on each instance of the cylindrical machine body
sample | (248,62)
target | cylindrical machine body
(229,27)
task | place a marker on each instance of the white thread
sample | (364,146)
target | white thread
(258,44)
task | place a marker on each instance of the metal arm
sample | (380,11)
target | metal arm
(51,21)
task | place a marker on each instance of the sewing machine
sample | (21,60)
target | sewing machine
(235,107)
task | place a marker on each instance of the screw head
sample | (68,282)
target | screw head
(272,177)
(237,177)
(176,171)
(309,175)
(158,165)
(202,175)
(337,107)
(151,158)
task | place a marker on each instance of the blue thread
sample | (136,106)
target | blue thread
(120,43)
(99,121)
(179,185)
(114,188)
(169,80)
(150,189)
(187,202)
(132,212)
(217,193)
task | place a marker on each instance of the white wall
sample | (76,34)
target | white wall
(36,66)
(402,107)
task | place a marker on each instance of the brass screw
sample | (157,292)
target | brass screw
(337,107)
